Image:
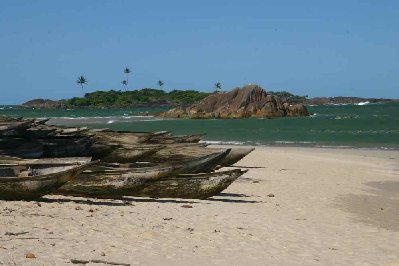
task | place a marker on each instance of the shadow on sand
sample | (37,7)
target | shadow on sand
(232,198)
(126,201)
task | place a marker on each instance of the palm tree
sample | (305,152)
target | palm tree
(218,86)
(81,81)
(160,83)
(124,82)
(127,71)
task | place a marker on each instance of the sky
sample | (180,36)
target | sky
(314,48)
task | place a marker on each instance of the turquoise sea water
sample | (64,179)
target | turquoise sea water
(363,126)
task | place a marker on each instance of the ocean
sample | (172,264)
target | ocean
(350,126)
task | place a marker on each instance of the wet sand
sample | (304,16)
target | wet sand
(295,206)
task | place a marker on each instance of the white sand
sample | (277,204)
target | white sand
(326,211)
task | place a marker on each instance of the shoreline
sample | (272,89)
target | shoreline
(295,206)
(342,147)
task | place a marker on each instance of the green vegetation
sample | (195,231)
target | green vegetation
(137,97)
(285,96)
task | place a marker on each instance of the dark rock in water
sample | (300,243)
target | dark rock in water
(249,101)
(43,103)
(296,109)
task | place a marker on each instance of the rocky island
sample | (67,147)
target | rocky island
(248,101)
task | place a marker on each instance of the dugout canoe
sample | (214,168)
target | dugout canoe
(119,180)
(190,186)
(30,181)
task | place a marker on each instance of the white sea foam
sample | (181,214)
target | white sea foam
(293,142)
(363,103)
(219,142)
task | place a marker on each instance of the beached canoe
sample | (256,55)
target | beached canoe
(171,139)
(56,148)
(15,161)
(106,182)
(21,148)
(110,182)
(235,155)
(120,137)
(131,153)
(11,128)
(181,151)
(174,153)
(31,181)
(202,164)
(190,186)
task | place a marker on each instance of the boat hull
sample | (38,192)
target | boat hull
(105,182)
(27,188)
(197,186)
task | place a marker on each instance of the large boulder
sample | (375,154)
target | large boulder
(248,101)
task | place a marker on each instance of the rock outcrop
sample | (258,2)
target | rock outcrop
(249,101)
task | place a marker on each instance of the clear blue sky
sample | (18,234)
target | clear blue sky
(318,48)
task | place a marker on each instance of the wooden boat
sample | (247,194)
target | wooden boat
(181,151)
(4,118)
(39,132)
(47,147)
(131,153)
(110,182)
(107,182)
(235,155)
(15,161)
(56,148)
(201,164)
(173,153)
(171,139)
(21,148)
(121,137)
(190,186)
(11,128)
(26,182)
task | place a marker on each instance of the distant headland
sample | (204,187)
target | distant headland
(150,97)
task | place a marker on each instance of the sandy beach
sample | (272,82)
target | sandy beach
(295,206)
